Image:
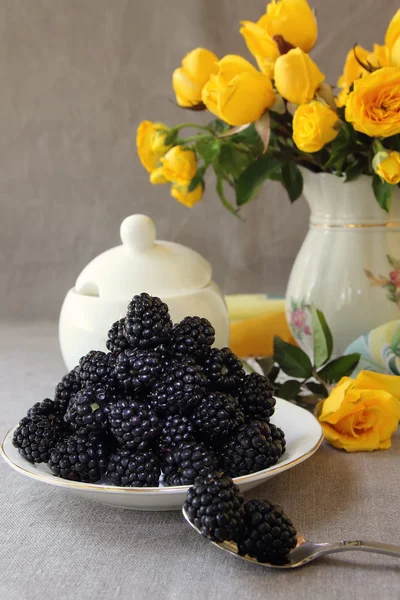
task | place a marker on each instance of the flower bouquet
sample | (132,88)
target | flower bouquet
(277,113)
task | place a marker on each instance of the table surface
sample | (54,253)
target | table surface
(56,545)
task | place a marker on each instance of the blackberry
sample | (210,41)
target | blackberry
(46,408)
(116,340)
(249,450)
(134,469)
(217,416)
(97,367)
(79,458)
(180,389)
(175,430)
(138,369)
(133,425)
(268,535)
(193,336)
(87,411)
(255,397)
(187,461)
(69,385)
(223,369)
(36,435)
(214,504)
(278,436)
(147,322)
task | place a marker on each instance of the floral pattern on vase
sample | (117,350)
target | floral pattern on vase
(390,283)
(299,319)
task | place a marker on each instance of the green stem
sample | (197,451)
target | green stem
(193,138)
(194,125)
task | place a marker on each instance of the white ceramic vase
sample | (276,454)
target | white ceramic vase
(349,263)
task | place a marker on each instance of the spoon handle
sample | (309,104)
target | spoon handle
(364,546)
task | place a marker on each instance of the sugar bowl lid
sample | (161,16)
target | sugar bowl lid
(143,263)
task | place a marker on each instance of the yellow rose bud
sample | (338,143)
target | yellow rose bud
(293,20)
(297,77)
(314,125)
(157,176)
(189,199)
(352,68)
(238,94)
(387,166)
(380,57)
(179,165)
(189,80)
(393,31)
(373,107)
(342,96)
(362,414)
(261,45)
(150,144)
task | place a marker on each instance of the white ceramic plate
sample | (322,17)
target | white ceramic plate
(303,438)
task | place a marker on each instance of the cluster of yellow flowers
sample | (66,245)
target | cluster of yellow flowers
(287,81)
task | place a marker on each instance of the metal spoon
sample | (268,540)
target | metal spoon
(307,551)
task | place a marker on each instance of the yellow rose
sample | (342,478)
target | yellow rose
(189,199)
(342,96)
(157,176)
(373,107)
(352,68)
(293,20)
(150,144)
(297,77)
(393,31)
(238,94)
(362,414)
(314,126)
(395,53)
(261,45)
(387,166)
(189,80)
(179,165)
(380,57)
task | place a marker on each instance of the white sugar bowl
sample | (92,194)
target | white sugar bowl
(175,273)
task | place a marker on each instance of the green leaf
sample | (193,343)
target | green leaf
(218,126)
(170,137)
(273,374)
(383,192)
(339,367)
(322,337)
(354,171)
(208,150)
(198,178)
(250,181)
(289,389)
(231,161)
(317,389)
(292,179)
(291,359)
(223,198)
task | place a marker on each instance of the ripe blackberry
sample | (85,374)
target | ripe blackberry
(79,458)
(180,389)
(97,367)
(217,416)
(147,322)
(250,450)
(268,535)
(175,430)
(187,461)
(36,435)
(46,408)
(214,504)
(87,411)
(278,436)
(223,369)
(69,385)
(193,336)
(138,369)
(134,469)
(133,425)
(255,397)
(116,340)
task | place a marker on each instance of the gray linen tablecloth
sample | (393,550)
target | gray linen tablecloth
(57,546)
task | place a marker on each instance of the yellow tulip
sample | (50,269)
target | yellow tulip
(189,79)
(373,107)
(150,144)
(261,45)
(387,166)
(352,68)
(297,77)
(293,20)
(362,414)
(189,199)
(380,57)
(314,126)
(179,165)
(238,94)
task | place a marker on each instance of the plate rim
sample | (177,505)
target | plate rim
(172,490)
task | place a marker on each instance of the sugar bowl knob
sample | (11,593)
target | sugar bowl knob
(138,233)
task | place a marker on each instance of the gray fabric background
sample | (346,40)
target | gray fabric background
(76,78)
